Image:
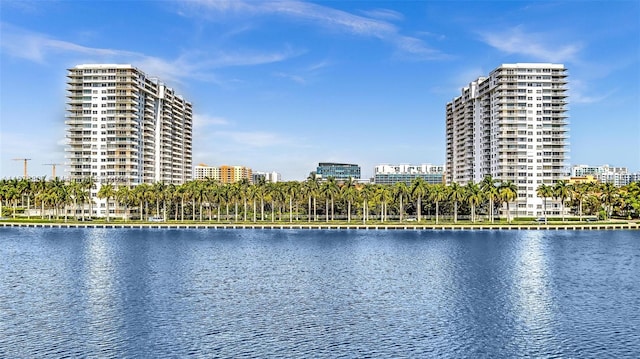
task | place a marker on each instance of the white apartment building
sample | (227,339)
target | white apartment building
(618,176)
(124,127)
(272,177)
(203,171)
(391,174)
(512,125)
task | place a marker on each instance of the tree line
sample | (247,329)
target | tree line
(310,200)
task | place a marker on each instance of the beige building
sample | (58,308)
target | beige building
(513,126)
(125,127)
(222,174)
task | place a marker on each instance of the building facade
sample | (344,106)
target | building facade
(513,126)
(203,171)
(618,176)
(124,127)
(272,177)
(392,174)
(339,171)
(222,174)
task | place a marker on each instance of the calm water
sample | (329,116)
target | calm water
(303,293)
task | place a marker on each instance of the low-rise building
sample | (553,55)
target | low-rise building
(391,174)
(272,177)
(339,171)
(222,174)
(618,176)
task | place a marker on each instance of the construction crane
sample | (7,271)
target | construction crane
(53,168)
(25,164)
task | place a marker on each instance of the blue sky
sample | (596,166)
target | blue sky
(283,85)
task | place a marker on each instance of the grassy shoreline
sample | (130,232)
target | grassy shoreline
(574,225)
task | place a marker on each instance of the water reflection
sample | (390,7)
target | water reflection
(533,302)
(100,282)
(178,293)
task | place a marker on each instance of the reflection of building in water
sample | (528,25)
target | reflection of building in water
(531,286)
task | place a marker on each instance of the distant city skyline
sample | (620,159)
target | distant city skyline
(283,85)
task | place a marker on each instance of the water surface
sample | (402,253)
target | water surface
(318,293)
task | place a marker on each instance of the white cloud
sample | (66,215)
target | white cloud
(536,45)
(578,93)
(295,78)
(384,14)
(323,16)
(41,48)
(35,47)
(203,121)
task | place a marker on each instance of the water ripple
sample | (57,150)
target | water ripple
(325,294)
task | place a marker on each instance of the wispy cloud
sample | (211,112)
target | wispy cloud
(375,24)
(579,90)
(384,14)
(295,78)
(305,74)
(201,121)
(540,46)
(35,47)
(41,48)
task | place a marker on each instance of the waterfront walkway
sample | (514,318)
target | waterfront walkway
(327,226)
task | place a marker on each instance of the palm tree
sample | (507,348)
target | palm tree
(243,191)
(508,192)
(490,191)
(333,191)
(437,194)
(141,194)
(106,191)
(607,196)
(76,193)
(168,196)
(384,194)
(348,193)
(235,197)
(418,190)
(400,192)
(252,195)
(311,188)
(272,193)
(291,188)
(329,189)
(157,194)
(39,187)
(58,195)
(474,198)
(88,183)
(24,189)
(199,191)
(217,194)
(562,191)
(325,190)
(543,191)
(367,192)
(13,194)
(124,195)
(457,195)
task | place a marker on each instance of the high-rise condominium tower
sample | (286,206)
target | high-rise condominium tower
(511,125)
(124,127)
